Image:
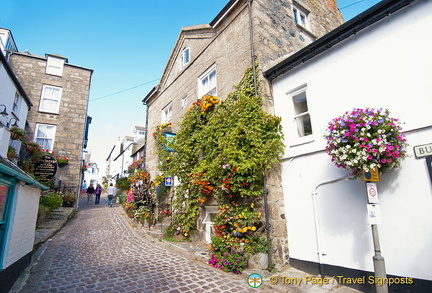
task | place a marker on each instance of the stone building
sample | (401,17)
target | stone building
(212,58)
(58,120)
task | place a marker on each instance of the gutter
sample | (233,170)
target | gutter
(21,176)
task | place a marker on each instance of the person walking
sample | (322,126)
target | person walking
(110,192)
(84,188)
(90,192)
(97,193)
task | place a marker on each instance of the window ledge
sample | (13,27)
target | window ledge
(306,31)
(302,141)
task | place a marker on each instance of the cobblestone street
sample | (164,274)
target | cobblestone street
(99,251)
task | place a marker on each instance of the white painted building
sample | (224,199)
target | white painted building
(381,59)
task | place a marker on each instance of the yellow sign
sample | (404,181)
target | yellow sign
(372,175)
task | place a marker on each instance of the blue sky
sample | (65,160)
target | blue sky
(126,43)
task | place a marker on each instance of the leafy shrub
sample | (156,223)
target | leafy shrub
(51,200)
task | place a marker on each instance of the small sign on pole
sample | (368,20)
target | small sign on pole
(372,192)
(372,175)
(168,181)
(374,214)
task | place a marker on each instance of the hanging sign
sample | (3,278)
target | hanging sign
(374,214)
(372,192)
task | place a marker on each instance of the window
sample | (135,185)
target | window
(300,16)
(167,113)
(44,136)
(207,83)
(184,58)
(15,105)
(54,66)
(50,99)
(301,113)
(184,102)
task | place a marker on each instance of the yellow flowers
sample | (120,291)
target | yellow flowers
(208,101)
(244,230)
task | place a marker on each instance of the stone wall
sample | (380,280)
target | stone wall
(71,119)
(227,45)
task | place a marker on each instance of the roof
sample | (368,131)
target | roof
(374,14)
(10,169)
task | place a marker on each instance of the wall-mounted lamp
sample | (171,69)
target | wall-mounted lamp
(3,112)
(15,123)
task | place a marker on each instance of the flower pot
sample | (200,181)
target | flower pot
(31,148)
(62,164)
(14,136)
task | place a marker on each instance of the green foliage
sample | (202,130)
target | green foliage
(122,184)
(223,150)
(51,200)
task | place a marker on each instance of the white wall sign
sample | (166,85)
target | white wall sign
(372,192)
(421,151)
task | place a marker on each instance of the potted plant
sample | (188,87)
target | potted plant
(32,147)
(11,153)
(62,161)
(16,133)
(68,199)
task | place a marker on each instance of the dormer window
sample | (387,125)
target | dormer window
(301,16)
(54,65)
(184,58)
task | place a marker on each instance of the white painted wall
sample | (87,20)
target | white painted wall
(21,232)
(387,65)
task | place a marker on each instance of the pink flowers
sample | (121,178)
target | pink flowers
(363,139)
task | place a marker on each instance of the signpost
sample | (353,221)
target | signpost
(374,215)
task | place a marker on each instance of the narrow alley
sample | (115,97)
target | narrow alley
(99,251)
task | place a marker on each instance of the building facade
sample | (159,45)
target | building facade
(58,121)
(327,217)
(212,58)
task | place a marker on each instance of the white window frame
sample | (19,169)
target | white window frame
(16,103)
(301,16)
(207,82)
(184,102)
(299,134)
(54,66)
(45,135)
(167,113)
(185,57)
(211,211)
(50,102)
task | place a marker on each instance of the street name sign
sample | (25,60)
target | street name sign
(421,151)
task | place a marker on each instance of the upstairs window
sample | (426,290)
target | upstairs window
(301,113)
(44,136)
(301,16)
(184,58)
(50,99)
(16,103)
(167,113)
(184,102)
(54,66)
(207,83)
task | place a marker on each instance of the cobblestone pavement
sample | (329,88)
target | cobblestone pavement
(98,251)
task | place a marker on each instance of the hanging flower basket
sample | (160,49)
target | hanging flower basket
(364,139)
(32,147)
(62,161)
(16,133)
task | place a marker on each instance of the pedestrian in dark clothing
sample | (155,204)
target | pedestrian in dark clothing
(90,192)
(97,193)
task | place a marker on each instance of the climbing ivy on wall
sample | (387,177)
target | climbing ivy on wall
(223,149)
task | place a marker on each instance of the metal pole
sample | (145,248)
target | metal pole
(270,265)
(378,262)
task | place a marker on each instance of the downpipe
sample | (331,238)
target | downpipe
(317,224)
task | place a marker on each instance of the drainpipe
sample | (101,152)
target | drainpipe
(317,226)
(270,264)
(252,50)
